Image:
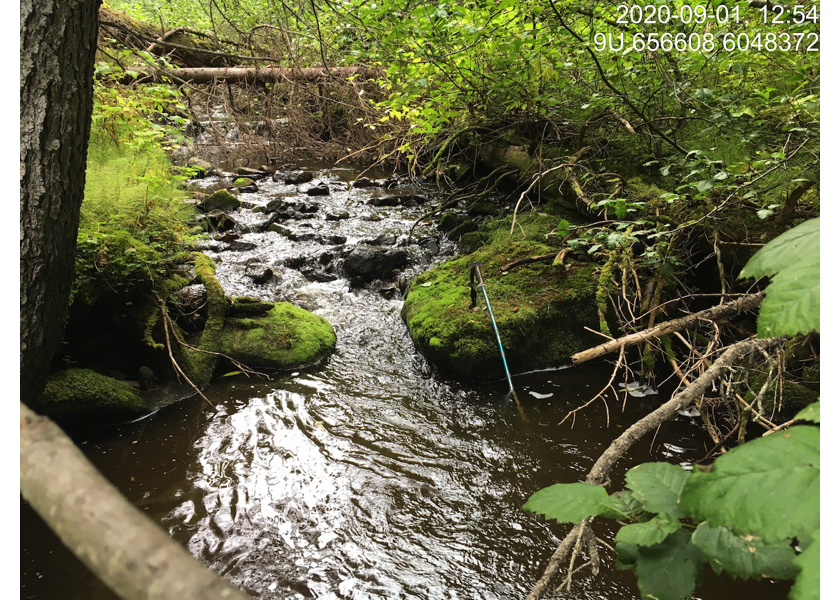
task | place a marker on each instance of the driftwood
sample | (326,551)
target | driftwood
(126,550)
(250,74)
(717,313)
(599,474)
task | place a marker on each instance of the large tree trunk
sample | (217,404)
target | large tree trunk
(57,46)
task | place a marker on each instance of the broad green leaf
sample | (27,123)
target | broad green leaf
(792,304)
(649,533)
(657,486)
(769,487)
(743,556)
(621,505)
(807,586)
(667,571)
(810,413)
(568,502)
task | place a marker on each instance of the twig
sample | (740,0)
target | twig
(599,474)
(175,364)
(723,311)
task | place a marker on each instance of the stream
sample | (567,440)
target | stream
(372,476)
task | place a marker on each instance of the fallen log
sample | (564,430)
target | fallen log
(249,74)
(120,545)
(716,313)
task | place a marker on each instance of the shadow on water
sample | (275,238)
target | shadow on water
(370,476)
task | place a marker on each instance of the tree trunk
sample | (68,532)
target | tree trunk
(57,46)
(125,549)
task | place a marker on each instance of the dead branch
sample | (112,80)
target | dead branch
(717,313)
(537,177)
(175,365)
(126,550)
(599,474)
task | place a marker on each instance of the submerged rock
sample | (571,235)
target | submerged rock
(84,395)
(252,173)
(319,189)
(258,273)
(296,177)
(285,337)
(202,167)
(366,263)
(541,311)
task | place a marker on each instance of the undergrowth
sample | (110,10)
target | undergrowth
(134,223)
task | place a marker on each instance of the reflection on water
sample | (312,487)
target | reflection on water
(368,477)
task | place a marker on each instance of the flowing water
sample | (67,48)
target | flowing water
(371,476)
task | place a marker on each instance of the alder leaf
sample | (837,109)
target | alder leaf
(744,556)
(568,502)
(769,487)
(807,586)
(810,413)
(657,486)
(792,260)
(669,570)
(649,533)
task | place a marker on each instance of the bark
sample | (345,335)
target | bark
(251,74)
(126,550)
(717,313)
(599,474)
(57,45)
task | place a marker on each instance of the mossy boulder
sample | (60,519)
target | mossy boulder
(221,200)
(541,311)
(285,337)
(82,395)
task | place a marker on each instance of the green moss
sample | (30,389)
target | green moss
(287,337)
(222,200)
(541,311)
(199,366)
(243,181)
(82,394)
(467,226)
(243,306)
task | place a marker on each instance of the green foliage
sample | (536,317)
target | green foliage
(657,487)
(755,501)
(807,586)
(668,570)
(568,502)
(745,556)
(648,533)
(792,260)
(810,413)
(134,221)
(750,489)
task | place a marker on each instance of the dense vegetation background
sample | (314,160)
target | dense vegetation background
(664,145)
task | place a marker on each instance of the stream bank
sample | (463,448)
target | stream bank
(372,475)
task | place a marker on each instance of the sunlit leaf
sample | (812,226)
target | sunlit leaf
(568,502)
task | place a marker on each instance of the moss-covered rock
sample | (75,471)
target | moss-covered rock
(541,311)
(286,337)
(82,395)
(222,200)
